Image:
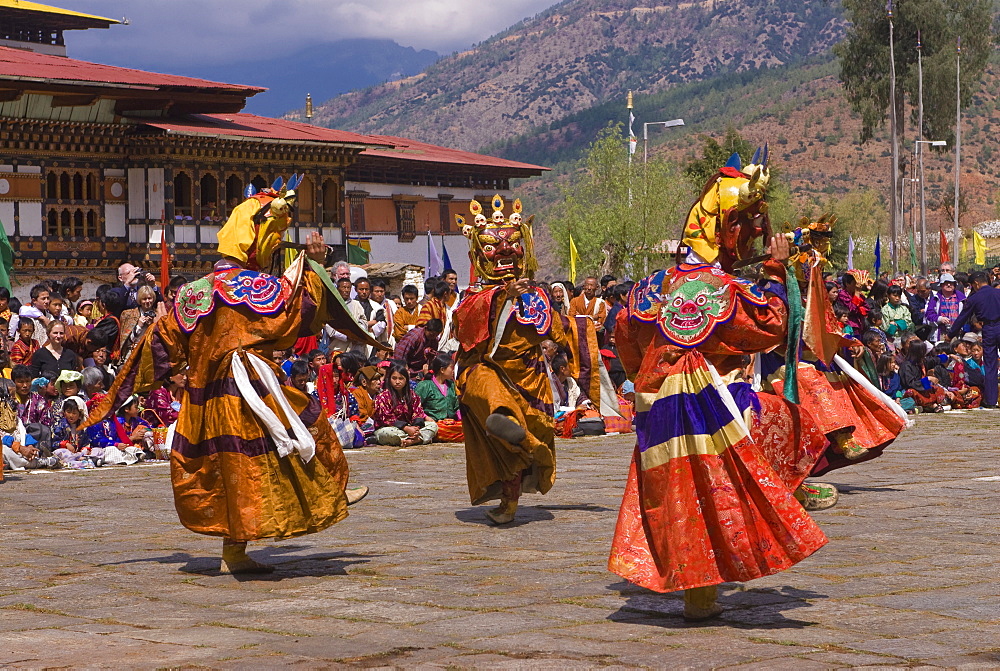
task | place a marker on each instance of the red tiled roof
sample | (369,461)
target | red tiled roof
(27,65)
(253,126)
(412,150)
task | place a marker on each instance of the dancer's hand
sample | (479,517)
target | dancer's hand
(315,247)
(521,286)
(779,249)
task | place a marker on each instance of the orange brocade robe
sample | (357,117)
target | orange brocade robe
(501,367)
(227,475)
(709,493)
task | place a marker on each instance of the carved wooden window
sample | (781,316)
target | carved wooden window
(234,193)
(331,201)
(210,198)
(183,196)
(406,221)
(445,210)
(356,199)
(72,207)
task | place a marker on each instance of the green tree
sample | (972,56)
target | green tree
(863,215)
(864,59)
(714,155)
(620,215)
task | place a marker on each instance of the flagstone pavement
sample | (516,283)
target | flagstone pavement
(98,572)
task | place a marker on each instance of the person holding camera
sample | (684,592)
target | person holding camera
(136,320)
(368,314)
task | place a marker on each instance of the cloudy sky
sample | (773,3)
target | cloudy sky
(181,33)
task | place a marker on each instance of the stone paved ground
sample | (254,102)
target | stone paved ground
(99,572)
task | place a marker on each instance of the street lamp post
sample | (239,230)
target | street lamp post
(645,133)
(923,210)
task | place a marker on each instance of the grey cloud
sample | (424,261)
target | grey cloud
(163,33)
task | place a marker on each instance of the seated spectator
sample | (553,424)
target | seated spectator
(966,395)
(68,441)
(889,382)
(399,416)
(53,358)
(124,437)
(876,324)
(851,299)
(367,385)
(5,309)
(317,359)
(68,383)
(918,383)
(843,317)
(41,407)
(335,399)
(439,400)
(25,346)
(898,319)
(163,405)
(299,375)
(93,381)
(419,347)
(571,395)
(944,306)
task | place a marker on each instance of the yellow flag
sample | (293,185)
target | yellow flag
(574,256)
(979,245)
(964,251)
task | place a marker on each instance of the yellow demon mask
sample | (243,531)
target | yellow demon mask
(254,229)
(501,248)
(731,212)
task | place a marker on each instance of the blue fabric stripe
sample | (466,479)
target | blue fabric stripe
(681,414)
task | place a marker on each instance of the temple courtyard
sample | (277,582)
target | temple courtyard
(99,572)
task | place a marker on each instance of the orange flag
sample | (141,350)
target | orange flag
(820,330)
(944,247)
(164,261)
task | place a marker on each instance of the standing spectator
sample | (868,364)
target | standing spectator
(72,289)
(337,341)
(135,321)
(450,277)
(419,347)
(5,311)
(25,346)
(341,270)
(53,358)
(437,307)
(944,306)
(369,314)
(131,278)
(984,304)
(37,311)
(608,282)
(917,298)
(560,298)
(405,318)
(379,298)
(590,305)
(84,312)
(617,299)
(57,308)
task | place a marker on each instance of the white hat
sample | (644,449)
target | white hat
(946,277)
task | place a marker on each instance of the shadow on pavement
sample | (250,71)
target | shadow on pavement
(525,514)
(854,489)
(586,507)
(744,608)
(316,565)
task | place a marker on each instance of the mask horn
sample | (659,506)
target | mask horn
(249,191)
(278,183)
(756,157)
(735,161)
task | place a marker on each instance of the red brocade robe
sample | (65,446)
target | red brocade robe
(709,494)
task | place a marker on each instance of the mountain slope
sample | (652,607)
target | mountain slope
(333,69)
(581,53)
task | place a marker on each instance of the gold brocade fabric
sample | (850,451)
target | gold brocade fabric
(513,381)
(227,476)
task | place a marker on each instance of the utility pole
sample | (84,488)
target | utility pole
(958,142)
(920,157)
(894,181)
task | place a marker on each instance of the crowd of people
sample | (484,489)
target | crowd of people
(60,351)
(923,341)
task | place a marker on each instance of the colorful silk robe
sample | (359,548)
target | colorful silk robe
(709,495)
(501,367)
(228,477)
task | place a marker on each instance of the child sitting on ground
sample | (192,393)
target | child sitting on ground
(437,395)
(399,416)
(69,441)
